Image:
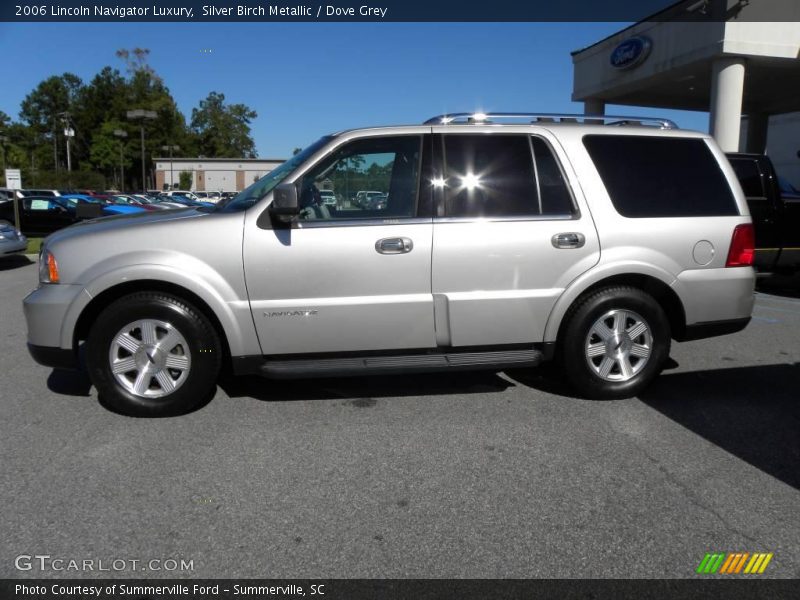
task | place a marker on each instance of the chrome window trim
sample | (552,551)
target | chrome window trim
(563,217)
(317,224)
(535,172)
(576,209)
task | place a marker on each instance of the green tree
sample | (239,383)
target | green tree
(51,106)
(223,130)
(185,180)
(104,154)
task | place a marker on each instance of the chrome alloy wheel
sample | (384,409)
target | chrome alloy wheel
(149,358)
(618,345)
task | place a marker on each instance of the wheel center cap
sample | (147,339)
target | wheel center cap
(618,344)
(150,358)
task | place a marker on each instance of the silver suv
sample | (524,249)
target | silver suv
(594,241)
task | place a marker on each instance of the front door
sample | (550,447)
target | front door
(349,274)
(509,236)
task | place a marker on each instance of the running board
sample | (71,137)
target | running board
(384,365)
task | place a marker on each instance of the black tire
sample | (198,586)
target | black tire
(197,355)
(628,376)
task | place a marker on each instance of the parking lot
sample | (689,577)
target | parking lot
(462,475)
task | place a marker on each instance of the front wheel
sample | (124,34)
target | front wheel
(615,343)
(152,354)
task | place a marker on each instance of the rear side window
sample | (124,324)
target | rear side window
(648,176)
(502,176)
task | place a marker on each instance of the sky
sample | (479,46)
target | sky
(308,79)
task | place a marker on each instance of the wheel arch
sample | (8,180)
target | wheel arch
(655,286)
(102,300)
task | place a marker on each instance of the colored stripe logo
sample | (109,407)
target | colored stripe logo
(734,563)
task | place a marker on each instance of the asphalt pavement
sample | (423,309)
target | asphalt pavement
(494,475)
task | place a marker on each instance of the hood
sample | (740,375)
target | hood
(140,219)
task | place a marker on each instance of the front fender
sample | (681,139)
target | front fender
(230,307)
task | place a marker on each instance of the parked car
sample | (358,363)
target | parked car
(499,247)
(108,208)
(125,200)
(328,197)
(369,200)
(7,194)
(40,193)
(148,201)
(184,193)
(40,215)
(187,201)
(775,210)
(12,240)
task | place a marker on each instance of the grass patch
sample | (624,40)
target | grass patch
(33,245)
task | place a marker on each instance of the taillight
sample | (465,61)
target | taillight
(743,247)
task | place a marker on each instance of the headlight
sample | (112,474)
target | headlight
(48,267)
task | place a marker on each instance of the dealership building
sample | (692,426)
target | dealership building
(213,174)
(739,60)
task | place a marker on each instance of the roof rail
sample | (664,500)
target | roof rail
(484,118)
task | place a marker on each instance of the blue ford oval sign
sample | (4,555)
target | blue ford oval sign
(631,52)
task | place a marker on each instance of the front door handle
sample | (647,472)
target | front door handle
(568,240)
(394,246)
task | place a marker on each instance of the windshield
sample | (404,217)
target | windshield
(249,196)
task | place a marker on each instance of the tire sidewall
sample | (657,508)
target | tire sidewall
(199,334)
(592,308)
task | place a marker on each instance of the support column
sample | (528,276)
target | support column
(594,106)
(757,126)
(727,88)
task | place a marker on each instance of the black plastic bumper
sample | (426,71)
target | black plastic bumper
(700,331)
(57,358)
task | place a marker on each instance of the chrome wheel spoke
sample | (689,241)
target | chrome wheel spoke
(128,342)
(602,331)
(142,382)
(148,329)
(169,341)
(640,351)
(636,330)
(124,365)
(595,350)
(606,366)
(165,381)
(620,317)
(177,361)
(625,368)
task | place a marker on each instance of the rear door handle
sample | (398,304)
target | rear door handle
(394,246)
(568,240)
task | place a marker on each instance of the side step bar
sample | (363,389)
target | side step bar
(384,365)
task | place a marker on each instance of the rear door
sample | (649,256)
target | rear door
(508,235)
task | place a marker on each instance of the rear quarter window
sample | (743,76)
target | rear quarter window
(649,176)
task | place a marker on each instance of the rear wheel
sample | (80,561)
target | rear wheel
(152,354)
(615,342)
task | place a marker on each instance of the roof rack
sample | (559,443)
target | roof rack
(536,118)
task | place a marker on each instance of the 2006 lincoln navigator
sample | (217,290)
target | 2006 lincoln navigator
(592,240)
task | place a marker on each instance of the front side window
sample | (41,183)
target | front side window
(491,175)
(371,178)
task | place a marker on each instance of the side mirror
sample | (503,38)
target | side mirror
(284,200)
